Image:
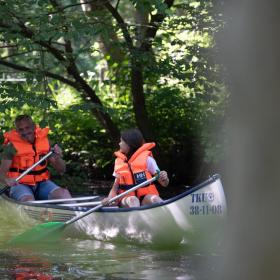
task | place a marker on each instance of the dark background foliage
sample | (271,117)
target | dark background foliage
(92,70)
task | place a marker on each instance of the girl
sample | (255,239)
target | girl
(135,164)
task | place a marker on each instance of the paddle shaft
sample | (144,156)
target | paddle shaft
(73,220)
(63,200)
(29,169)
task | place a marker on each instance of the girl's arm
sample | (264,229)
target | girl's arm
(153,168)
(114,189)
(113,192)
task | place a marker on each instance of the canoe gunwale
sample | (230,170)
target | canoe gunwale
(212,179)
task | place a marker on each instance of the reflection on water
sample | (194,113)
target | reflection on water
(87,259)
(18,267)
(90,259)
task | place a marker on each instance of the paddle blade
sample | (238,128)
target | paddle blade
(47,232)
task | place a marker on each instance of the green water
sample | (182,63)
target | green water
(91,259)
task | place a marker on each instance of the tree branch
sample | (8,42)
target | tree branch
(153,27)
(74,5)
(28,33)
(8,46)
(121,23)
(47,73)
(67,45)
(16,54)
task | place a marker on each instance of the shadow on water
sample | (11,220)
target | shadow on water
(90,259)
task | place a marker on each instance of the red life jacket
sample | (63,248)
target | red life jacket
(134,171)
(27,154)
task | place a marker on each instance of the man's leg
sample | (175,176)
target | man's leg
(60,193)
(49,190)
(22,193)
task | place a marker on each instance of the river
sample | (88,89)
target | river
(91,259)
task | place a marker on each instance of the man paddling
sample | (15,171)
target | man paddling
(24,146)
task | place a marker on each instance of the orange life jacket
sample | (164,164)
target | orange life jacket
(134,171)
(27,154)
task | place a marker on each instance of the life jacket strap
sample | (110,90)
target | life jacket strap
(33,172)
(128,187)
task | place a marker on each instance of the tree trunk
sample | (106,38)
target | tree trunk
(107,39)
(139,105)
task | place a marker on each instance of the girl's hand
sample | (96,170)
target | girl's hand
(163,178)
(105,201)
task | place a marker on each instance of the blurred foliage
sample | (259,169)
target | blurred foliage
(185,97)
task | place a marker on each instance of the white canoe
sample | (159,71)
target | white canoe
(188,217)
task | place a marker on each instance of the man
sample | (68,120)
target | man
(22,148)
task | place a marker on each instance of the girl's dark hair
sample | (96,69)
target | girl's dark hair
(133,138)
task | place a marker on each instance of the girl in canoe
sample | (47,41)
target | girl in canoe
(135,164)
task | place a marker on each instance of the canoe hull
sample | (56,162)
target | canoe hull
(181,220)
(185,218)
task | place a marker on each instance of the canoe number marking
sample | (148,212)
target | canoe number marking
(206,210)
(202,197)
(46,216)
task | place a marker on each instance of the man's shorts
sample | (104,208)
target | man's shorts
(41,191)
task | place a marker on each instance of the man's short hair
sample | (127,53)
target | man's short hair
(23,118)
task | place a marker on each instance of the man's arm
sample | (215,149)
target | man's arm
(4,168)
(56,160)
(7,155)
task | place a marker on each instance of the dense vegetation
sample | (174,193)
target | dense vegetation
(90,69)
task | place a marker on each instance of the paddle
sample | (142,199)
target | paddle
(28,170)
(51,231)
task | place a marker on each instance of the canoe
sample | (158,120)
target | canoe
(196,214)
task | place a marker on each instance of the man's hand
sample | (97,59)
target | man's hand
(56,159)
(4,168)
(57,150)
(10,182)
